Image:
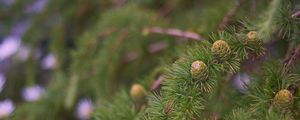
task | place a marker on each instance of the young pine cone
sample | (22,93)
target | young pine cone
(283,99)
(252,36)
(221,49)
(138,93)
(199,70)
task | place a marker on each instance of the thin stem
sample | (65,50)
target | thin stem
(157,83)
(119,3)
(293,88)
(173,32)
(290,59)
(253,6)
(296,14)
(72,90)
(230,14)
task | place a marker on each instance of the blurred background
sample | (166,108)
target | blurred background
(61,59)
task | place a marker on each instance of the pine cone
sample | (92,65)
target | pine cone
(252,36)
(199,70)
(138,93)
(221,49)
(283,99)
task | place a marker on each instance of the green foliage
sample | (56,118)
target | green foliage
(107,52)
(118,109)
(186,96)
(239,114)
(117,40)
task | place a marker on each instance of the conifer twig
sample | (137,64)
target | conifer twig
(290,59)
(253,6)
(119,3)
(173,32)
(152,48)
(293,88)
(156,47)
(157,83)
(296,14)
(130,56)
(221,93)
(230,14)
(293,52)
(166,9)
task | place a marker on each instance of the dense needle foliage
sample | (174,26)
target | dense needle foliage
(149,59)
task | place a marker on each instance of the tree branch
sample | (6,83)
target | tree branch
(296,14)
(230,14)
(173,32)
(290,59)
